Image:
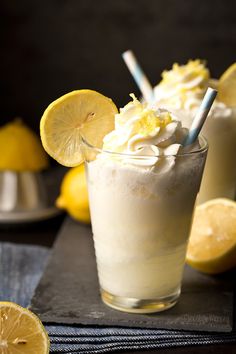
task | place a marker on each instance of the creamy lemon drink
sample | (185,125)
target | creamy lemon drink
(142,189)
(181,90)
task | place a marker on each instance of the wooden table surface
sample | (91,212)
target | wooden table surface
(44,233)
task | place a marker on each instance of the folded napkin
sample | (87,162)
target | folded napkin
(21,267)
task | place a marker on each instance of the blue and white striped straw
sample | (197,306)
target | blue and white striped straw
(201,116)
(139,76)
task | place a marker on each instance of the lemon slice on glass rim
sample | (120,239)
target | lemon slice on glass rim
(21,331)
(82,112)
(212,243)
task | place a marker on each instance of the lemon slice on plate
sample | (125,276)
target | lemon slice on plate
(21,331)
(212,244)
(227,86)
(82,112)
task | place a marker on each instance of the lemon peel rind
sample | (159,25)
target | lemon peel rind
(214,266)
(224,201)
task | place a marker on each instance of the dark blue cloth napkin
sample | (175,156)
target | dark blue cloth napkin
(21,267)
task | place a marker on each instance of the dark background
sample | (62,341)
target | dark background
(50,47)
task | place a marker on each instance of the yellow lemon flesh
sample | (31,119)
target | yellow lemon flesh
(212,244)
(21,331)
(74,194)
(82,112)
(21,149)
(227,86)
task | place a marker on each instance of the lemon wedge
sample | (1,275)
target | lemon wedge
(212,244)
(21,149)
(82,112)
(74,194)
(21,331)
(227,86)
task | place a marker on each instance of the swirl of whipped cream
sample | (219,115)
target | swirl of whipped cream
(147,134)
(183,86)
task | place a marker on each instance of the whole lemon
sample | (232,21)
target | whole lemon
(74,194)
(21,149)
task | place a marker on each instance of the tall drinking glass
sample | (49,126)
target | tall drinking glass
(141,220)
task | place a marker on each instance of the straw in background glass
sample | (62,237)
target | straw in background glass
(201,116)
(148,94)
(139,76)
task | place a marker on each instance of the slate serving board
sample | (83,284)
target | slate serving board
(68,292)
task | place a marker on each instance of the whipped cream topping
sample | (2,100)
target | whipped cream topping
(184,86)
(147,134)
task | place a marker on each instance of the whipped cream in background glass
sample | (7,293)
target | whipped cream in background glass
(181,90)
(142,189)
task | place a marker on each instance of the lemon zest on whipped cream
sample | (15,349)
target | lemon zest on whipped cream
(136,121)
(187,73)
(150,120)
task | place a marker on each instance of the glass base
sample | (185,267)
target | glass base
(134,305)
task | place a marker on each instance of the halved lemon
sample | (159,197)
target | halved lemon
(21,331)
(212,244)
(227,86)
(82,112)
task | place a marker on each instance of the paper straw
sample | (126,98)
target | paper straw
(201,116)
(138,75)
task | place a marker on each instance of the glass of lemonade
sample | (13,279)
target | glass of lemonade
(142,189)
